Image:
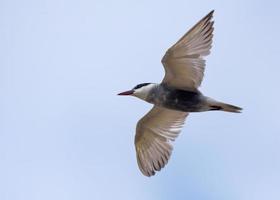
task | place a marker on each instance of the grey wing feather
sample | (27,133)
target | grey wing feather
(183,62)
(154,132)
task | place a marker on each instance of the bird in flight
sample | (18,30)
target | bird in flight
(175,97)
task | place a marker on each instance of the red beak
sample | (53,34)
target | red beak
(129,92)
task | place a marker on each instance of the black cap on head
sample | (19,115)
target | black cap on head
(140,85)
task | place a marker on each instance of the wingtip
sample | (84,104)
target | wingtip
(210,14)
(208,17)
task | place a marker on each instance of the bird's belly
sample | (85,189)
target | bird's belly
(186,106)
(181,100)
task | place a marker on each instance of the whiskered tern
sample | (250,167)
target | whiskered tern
(175,97)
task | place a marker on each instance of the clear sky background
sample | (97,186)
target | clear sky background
(66,135)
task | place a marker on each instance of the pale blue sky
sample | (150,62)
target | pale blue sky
(65,135)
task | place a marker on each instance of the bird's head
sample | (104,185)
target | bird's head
(141,90)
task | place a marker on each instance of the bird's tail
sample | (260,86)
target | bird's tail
(216,105)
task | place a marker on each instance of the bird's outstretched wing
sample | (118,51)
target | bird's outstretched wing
(154,132)
(183,62)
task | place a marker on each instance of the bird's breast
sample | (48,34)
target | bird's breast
(176,99)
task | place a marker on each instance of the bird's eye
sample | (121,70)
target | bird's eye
(137,86)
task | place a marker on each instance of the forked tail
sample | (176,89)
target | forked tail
(215,105)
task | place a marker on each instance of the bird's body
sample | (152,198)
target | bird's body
(172,98)
(175,97)
(163,95)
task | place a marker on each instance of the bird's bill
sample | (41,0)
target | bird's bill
(129,92)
